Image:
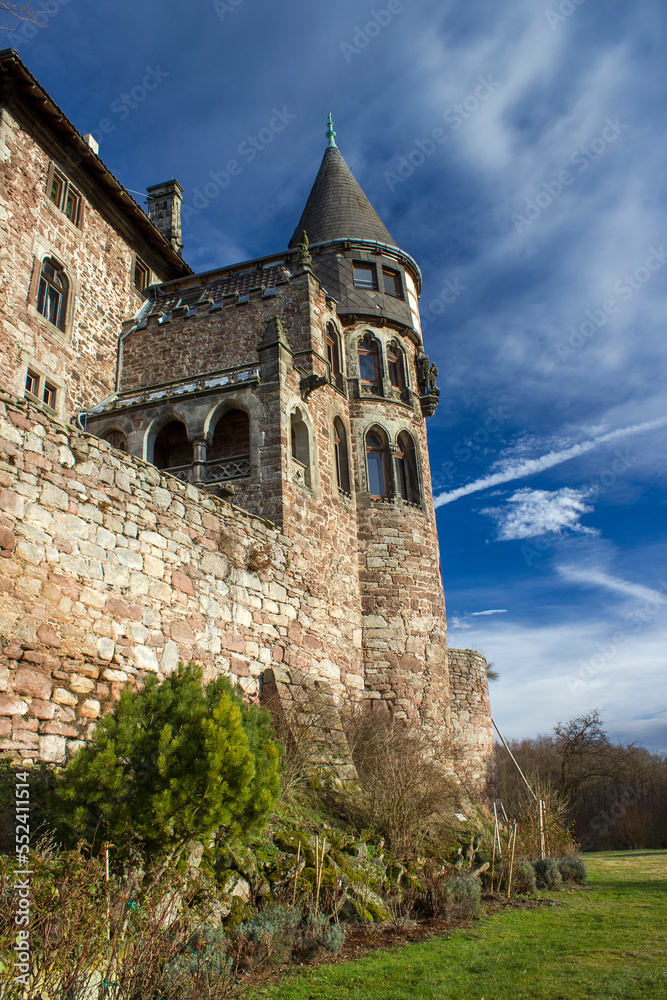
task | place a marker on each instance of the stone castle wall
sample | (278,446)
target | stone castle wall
(112,570)
(97,258)
(471,716)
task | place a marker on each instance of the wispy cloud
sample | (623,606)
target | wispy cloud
(528,467)
(494,611)
(599,578)
(532,513)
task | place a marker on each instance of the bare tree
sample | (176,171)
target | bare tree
(12,12)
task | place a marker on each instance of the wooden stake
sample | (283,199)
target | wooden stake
(296,872)
(493,862)
(319,870)
(543,852)
(509,882)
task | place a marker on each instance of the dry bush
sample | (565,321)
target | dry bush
(407,778)
(558,826)
(259,558)
(80,936)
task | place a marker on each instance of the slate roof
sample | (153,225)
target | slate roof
(337,208)
(234,282)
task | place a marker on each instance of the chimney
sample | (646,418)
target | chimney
(92,142)
(164,211)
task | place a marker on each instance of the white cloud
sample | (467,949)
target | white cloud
(550,673)
(531,513)
(599,578)
(494,611)
(519,469)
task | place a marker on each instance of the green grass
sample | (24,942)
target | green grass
(608,942)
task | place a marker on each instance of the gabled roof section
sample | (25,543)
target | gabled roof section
(18,85)
(337,208)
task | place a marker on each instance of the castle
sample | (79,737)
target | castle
(229,467)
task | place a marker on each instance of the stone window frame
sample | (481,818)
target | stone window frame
(57,171)
(62,333)
(412,484)
(394,346)
(341,464)
(138,263)
(332,335)
(244,400)
(302,474)
(379,358)
(157,424)
(384,438)
(46,378)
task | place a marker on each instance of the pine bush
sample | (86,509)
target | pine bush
(173,762)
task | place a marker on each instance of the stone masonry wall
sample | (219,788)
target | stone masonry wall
(80,360)
(112,570)
(471,716)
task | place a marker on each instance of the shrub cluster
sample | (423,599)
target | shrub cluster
(572,870)
(547,874)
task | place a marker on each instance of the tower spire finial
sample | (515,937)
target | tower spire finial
(331,135)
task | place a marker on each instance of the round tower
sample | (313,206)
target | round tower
(378,361)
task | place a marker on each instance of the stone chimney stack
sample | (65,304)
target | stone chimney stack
(164,211)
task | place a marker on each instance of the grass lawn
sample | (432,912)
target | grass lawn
(608,943)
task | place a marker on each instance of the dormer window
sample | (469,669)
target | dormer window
(365,276)
(66,197)
(392,282)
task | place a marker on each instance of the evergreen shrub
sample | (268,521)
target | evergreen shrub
(462,895)
(172,762)
(547,875)
(268,938)
(572,869)
(523,877)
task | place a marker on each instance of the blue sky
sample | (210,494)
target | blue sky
(517,150)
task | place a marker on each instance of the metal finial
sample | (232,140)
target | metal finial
(331,135)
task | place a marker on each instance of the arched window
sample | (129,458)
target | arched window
(300,443)
(228,455)
(396,366)
(172,451)
(369,363)
(116,439)
(333,352)
(340,456)
(376,463)
(52,293)
(405,463)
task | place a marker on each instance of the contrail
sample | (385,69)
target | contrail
(526,468)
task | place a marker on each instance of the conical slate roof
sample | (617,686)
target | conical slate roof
(337,208)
